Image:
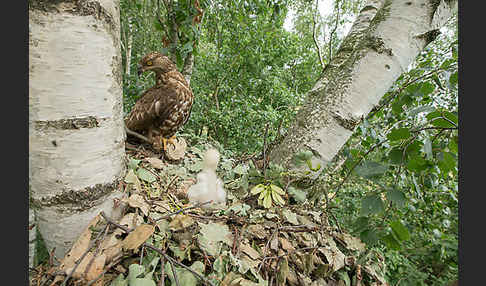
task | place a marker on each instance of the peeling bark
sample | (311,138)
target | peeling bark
(76,134)
(383,41)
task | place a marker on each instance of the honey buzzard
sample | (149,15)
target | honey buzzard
(163,108)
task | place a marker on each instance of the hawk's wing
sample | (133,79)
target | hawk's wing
(157,105)
(142,114)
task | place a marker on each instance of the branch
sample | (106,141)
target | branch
(184,209)
(314,35)
(332,33)
(135,134)
(172,260)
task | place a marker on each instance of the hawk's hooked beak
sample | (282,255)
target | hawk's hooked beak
(139,70)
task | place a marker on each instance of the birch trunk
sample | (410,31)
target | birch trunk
(76,135)
(188,66)
(383,41)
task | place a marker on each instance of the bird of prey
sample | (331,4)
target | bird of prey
(163,108)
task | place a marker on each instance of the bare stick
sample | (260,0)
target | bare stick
(314,27)
(114,262)
(265,150)
(266,247)
(126,229)
(135,134)
(82,257)
(176,279)
(172,260)
(182,210)
(97,251)
(162,272)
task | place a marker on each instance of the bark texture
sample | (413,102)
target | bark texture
(384,40)
(76,135)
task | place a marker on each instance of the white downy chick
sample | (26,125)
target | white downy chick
(208,186)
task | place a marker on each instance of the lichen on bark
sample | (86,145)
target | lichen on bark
(76,200)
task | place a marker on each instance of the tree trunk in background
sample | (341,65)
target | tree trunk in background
(188,67)
(384,40)
(76,134)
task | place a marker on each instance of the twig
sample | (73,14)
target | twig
(172,267)
(114,262)
(126,229)
(139,136)
(51,257)
(162,272)
(265,150)
(298,228)
(96,252)
(236,241)
(352,169)
(266,247)
(332,33)
(172,260)
(170,183)
(405,85)
(314,35)
(82,257)
(292,251)
(337,222)
(182,210)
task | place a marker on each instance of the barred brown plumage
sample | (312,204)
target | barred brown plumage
(166,106)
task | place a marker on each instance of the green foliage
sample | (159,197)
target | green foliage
(268,194)
(249,72)
(415,130)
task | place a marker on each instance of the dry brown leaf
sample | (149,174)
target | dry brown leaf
(109,241)
(58,278)
(137,201)
(155,162)
(79,247)
(286,244)
(229,278)
(113,252)
(135,238)
(334,256)
(274,243)
(257,230)
(120,268)
(350,241)
(130,220)
(81,267)
(250,251)
(96,268)
(180,221)
(283,271)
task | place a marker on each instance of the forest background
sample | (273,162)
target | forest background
(254,62)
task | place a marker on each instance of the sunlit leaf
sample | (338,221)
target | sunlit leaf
(257,189)
(400,230)
(398,134)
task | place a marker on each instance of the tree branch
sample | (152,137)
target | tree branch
(314,28)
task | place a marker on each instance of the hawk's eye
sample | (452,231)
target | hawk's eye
(149,63)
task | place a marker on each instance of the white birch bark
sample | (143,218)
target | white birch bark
(32,237)
(384,40)
(76,135)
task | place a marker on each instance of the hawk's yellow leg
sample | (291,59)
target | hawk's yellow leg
(171,140)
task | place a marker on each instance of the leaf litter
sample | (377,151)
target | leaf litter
(241,244)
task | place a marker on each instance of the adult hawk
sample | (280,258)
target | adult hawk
(166,106)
